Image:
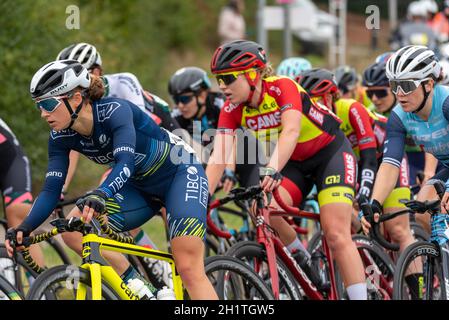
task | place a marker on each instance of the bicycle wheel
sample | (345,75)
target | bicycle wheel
(7,290)
(419,273)
(418,232)
(320,261)
(61,283)
(248,251)
(234,280)
(379,269)
(22,278)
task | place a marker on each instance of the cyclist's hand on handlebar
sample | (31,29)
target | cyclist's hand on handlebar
(270,178)
(92,204)
(366,226)
(14,238)
(374,209)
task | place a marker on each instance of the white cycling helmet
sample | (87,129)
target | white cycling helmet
(417,9)
(84,53)
(430,5)
(57,78)
(413,62)
(444,72)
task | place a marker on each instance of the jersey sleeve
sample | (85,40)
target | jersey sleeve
(58,163)
(130,89)
(361,122)
(395,141)
(227,122)
(123,135)
(287,94)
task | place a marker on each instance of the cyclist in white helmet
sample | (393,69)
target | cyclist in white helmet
(423,113)
(124,86)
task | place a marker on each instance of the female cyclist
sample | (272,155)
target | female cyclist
(198,110)
(378,90)
(125,86)
(310,148)
(147,163)
(348,83)
(422,113)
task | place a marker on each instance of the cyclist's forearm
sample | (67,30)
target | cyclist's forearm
(368,168)
(430,165)
(386,179)
(42,208)
(73,164)
(284,148)
(223,145)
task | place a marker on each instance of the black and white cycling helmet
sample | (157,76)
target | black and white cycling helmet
(346,78)
(188,79)
(84,53)
(413,62)
(57,78)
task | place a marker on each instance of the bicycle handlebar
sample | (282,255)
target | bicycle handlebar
(235,195)
(62,225)
(413,206)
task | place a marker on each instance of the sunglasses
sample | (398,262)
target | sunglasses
(184,99)
(406,86)
(50,104)
(228,78)
(379,92)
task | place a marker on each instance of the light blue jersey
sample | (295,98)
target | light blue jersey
(431,136)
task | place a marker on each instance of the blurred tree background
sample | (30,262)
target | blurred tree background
(148,38)
(151,39)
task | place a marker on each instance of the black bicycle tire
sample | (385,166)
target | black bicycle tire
(22,263)
(374,248)
(211,244)
(312,245)
(418,232)
(225,263)
(254,249)
(9,290)
(402,264)
(314,240)
(59,273)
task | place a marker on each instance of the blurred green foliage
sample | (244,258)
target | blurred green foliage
(148,38)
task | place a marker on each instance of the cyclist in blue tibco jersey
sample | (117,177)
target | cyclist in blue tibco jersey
(422,113)
(149,164)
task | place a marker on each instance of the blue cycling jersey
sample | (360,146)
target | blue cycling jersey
(124,137)
(431,135)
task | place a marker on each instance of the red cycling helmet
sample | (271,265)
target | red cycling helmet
(238,55)
(317,82)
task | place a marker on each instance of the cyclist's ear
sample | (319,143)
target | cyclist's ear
(429,85)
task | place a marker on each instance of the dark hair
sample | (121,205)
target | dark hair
(233,4)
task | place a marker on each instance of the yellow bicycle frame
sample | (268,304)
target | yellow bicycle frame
(99,270)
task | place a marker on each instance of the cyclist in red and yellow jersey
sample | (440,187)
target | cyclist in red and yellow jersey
(348,83)
(309,149)
(366,131)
